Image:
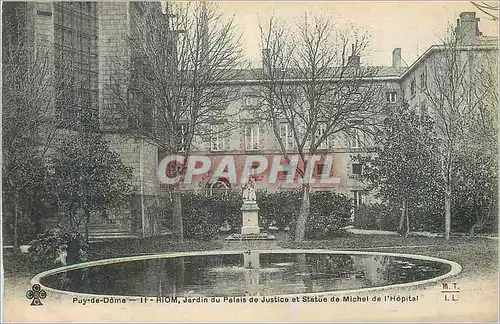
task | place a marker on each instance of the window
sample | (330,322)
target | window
(282,175)
(75,44)
(220,101)
(319,170)
(143,116)
(251,101)
(412,86)
(253,171)
(320,131)
(286,136)
(358,197)
(391,96)
(182,134)
(251,136)
(357,168)
(356,141)
(253,168)
(217,141)
(423,79)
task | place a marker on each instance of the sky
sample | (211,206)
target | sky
(412,26)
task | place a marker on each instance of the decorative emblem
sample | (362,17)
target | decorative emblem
(36,293)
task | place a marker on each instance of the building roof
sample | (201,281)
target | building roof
(481,43)
(375,72)
(486,40)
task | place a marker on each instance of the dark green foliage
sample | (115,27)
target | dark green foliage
(329,214)
(24,187)
(385,217)
(25,227)
(376,217)
(204,215)
(406,167)
(279,208)
(475,187)
(45,248)
(405,170)
(427,215)
(228,206)
(88,176)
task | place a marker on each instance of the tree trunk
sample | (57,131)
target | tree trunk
(15,238)
(177,227)
(479,221)
(300,230)
(447,212)
(472,231)
(87,221)
(402,230)
(407,220)
(72,218)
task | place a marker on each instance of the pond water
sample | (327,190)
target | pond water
(239,274)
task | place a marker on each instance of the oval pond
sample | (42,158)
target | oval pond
(237,274)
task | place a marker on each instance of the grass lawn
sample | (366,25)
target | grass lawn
(478,256)
(478,283)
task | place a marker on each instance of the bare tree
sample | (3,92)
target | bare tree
(455,96)
(311,84)
(489,9)
(29,120)
(174,89)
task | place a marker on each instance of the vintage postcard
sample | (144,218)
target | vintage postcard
(231,161)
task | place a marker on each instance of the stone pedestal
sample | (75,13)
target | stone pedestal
(250,236)
(251,260)
(250,211)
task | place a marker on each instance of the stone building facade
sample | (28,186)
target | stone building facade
(105,25)
(474,51)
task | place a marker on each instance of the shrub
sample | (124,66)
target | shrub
(376,217)
(278,209)
(45,248)
(200,216)
(203,215)
(328,215)
(200,223)
(227,207)
(428,217)
(386,217)
(26,230)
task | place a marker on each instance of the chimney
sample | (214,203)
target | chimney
(467,29)
(204,33)
(353,60)
(396,58)
(266,52)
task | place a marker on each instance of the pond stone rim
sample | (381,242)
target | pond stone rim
(455,269)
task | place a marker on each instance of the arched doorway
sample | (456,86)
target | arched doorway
(221,186)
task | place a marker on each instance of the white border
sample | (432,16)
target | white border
(455,269)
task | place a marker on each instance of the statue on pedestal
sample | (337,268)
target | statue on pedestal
(250,231)
(249,190)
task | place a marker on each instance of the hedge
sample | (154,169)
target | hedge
(204,215)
